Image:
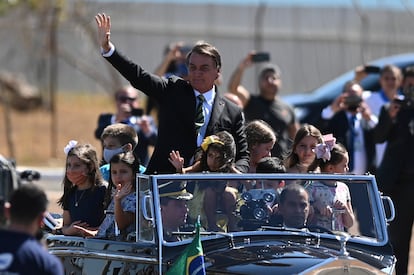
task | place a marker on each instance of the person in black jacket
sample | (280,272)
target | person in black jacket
(178,98)
(20,250)
(395,175)
(353,126)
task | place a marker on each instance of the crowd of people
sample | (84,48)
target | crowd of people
(196,128)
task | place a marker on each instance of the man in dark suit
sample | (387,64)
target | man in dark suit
(177,101)
(352,125)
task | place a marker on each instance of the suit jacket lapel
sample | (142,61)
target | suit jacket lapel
(217,110)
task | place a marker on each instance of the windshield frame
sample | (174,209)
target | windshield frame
(374,195)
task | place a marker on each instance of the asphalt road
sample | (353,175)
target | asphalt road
(51,182)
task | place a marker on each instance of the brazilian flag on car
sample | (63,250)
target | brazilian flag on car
(191,262)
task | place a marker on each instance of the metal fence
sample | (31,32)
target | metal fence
(311,45)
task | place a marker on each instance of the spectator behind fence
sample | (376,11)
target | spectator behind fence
(128,112)
(84,190)
(173,63)
(395,175)
(352,125)
(390,82)
(20,251)
(188,110)
(266,106)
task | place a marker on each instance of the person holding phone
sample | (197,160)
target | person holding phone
(128,111)
(267,105)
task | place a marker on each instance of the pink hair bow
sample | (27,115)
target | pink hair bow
(323,150)
(329,140)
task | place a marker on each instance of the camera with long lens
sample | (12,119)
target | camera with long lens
(353,102)
(255,212)
(406,100)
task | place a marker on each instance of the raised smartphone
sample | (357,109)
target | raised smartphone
(261,57)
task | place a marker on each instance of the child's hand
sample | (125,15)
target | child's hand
(123,190)
(275,209)
(326,211)
(323,209)
(86,232)
(338,205)
(76,228)
(177,161)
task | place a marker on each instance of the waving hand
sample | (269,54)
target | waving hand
(104,31)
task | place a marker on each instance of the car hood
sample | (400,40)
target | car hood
(285,257)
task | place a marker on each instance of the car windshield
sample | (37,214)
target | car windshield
(227,203)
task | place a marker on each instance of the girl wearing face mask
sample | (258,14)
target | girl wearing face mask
(84,190)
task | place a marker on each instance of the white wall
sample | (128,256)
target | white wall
(310,45)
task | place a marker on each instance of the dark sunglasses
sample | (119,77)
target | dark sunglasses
(124,99)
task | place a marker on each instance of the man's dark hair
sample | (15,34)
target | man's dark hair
(27,203)
(409,72)
(270,165)
(205,48)
(290,188)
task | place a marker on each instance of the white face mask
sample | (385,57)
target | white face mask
(109,153)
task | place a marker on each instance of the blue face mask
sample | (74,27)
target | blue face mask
(109,153)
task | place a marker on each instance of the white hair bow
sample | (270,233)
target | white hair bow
(72,143)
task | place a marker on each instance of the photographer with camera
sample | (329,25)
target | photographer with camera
(128,112)
(350,120)
(395,175)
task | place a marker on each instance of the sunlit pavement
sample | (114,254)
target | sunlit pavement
(51,182)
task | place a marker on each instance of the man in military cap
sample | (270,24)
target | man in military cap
(174,210)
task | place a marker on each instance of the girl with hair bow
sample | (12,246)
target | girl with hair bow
(331,201)
(217,155)
(323,150)
(84,190)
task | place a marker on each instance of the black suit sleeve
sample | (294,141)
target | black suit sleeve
(150,84)
(384,126)
(242,153)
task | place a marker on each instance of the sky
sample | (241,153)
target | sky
(381,4)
